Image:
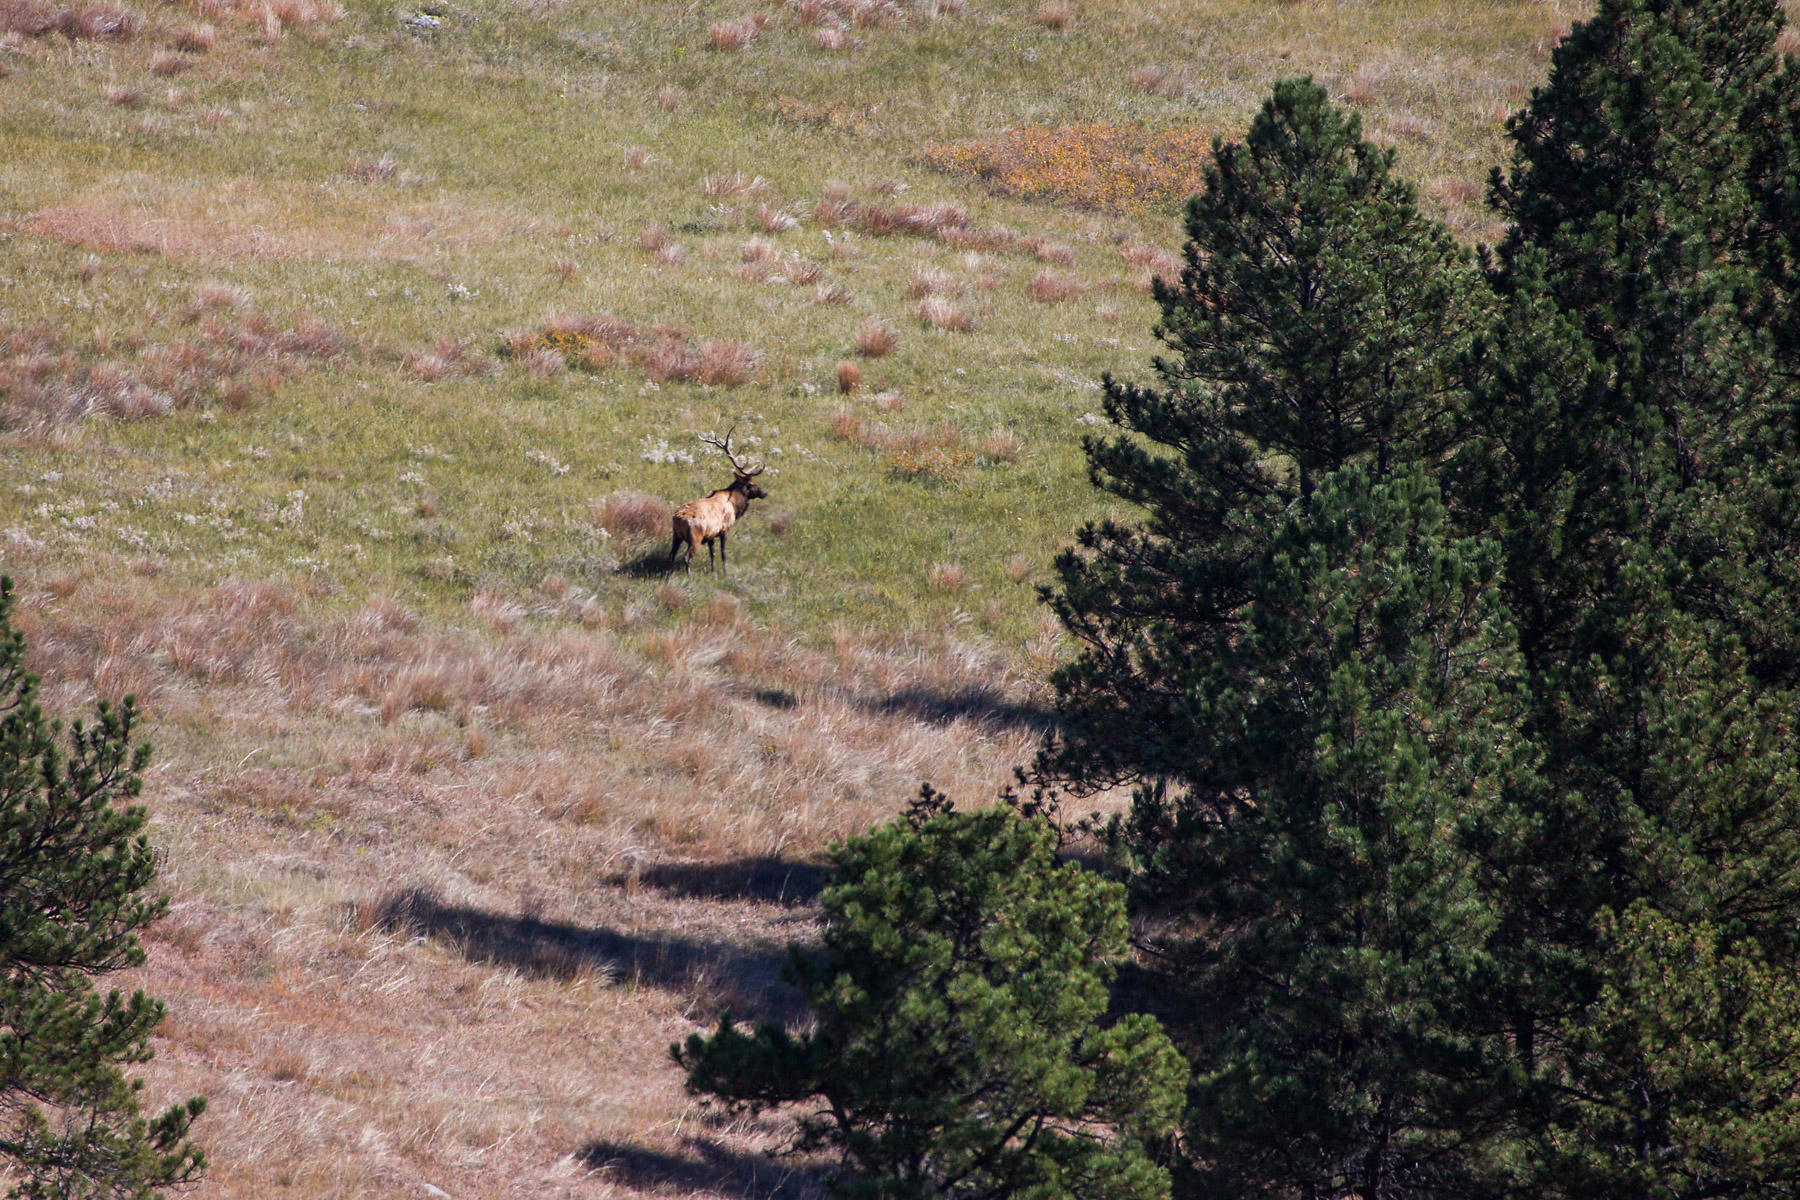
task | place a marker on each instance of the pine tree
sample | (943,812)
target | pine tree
(1634,454)
(956,1051)
(73,862)
(1319,322)
(1361,718)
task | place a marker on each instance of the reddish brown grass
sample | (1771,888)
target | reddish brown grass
(731,36)
(102,21)
(1047,287)
(948,578)
(876,339)
(1057,16)
(632,516)
(197,39)
(849,377)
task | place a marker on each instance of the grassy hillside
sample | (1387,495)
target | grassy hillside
(350,361)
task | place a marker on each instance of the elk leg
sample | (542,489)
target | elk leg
(673,551)
(722,560)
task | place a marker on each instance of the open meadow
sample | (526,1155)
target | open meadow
(352,360)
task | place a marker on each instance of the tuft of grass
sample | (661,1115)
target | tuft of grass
(197,39)
(632,516)
(941,314)
(948,578)
(876,339)
(849,377)
(1002,445)
(1047,287)
(1055,15)
(731,36)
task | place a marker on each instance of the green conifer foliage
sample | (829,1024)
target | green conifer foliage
(1318,323)
(956,1052)
(73,862)
(1361,715)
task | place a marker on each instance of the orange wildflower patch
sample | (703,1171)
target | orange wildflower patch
(1097,165)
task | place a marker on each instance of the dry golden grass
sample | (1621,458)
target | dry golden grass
(1094,165)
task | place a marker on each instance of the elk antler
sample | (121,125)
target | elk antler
(725,448)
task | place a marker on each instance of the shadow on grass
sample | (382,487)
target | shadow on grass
(710,1170)
(717,976)
(976,703)
(648,562)
(771,880)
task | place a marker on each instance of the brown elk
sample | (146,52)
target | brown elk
(711,517)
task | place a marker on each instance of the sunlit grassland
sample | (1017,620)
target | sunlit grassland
(386,644)
(506,130)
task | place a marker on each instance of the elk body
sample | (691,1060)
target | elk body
(711,517)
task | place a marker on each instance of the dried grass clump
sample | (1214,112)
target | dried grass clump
(731,36)
(876,339)
(1155,81)
(1362,87)
(831,294)
(941,314)
(1047,287)
(849,377)
(919,220)
(373,170)
(801,271)
(670,97)
(1787,41)
(836,40)
(124,97)
(654,239)
(756,250)
(1047,250)
(542,364)
(734,186)
(846,426)
(1404,125)
(948,578)
(233,356)
(1055,16)
(775,220)
(928,280)
(715,362)
(636,158)
(448,359)
(780,522)
(1156,263)
(197,39)
(1017,569)
(93,22)
(672,255)
(632,516)
(591,342)
(1002,445)
(1130,168)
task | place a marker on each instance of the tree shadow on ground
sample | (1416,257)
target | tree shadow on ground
(717,976)
(770,880)
(709,1170)
(974,703)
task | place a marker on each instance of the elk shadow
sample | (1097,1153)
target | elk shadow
(974,703)
(709,1170)
(748,982)
(770,880)
(649,562)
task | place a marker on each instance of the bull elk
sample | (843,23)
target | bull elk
(711,517)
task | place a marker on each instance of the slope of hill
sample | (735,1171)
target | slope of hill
(350,362)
